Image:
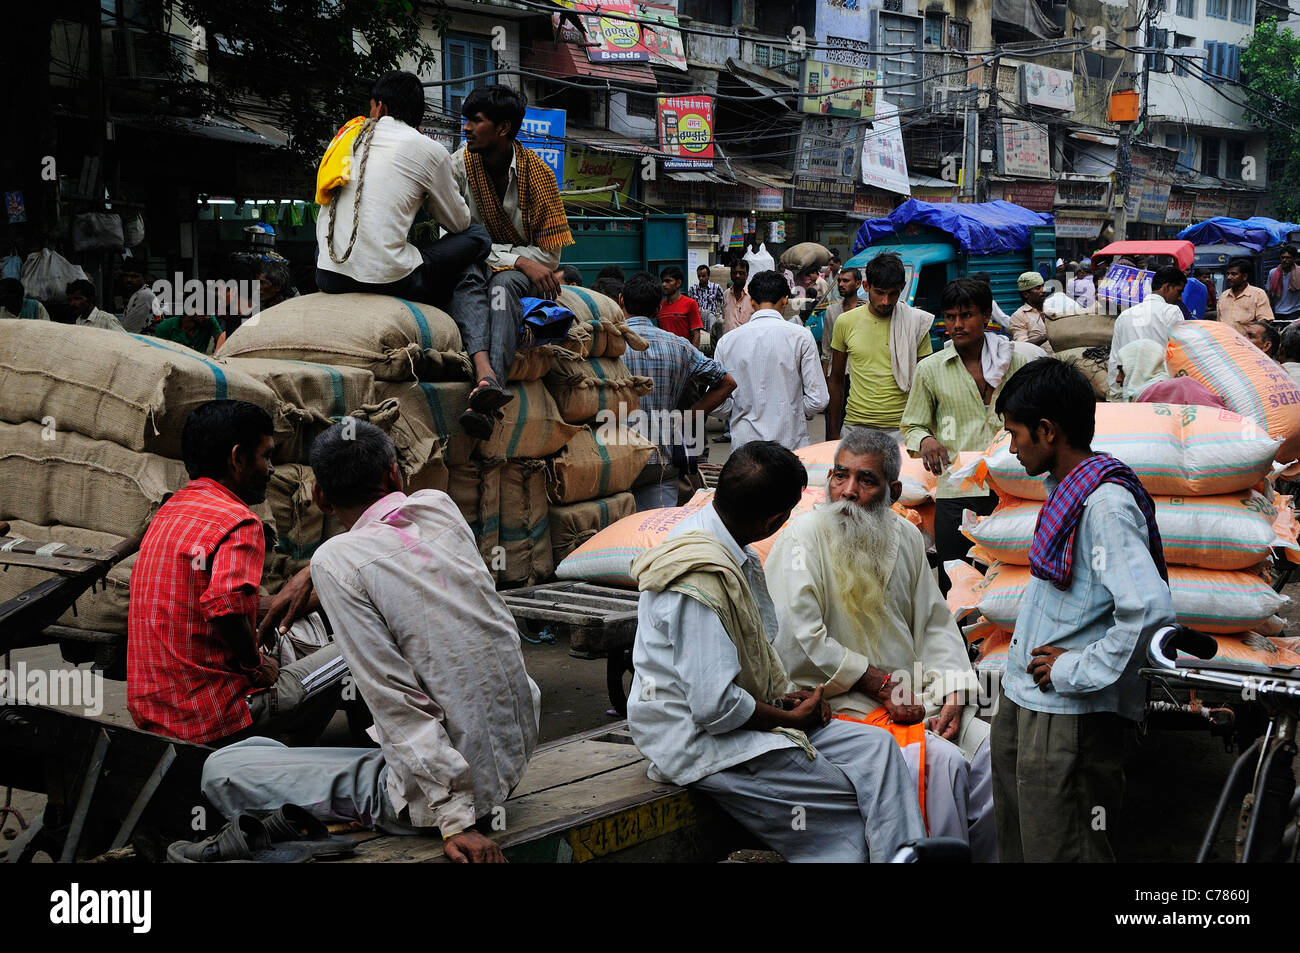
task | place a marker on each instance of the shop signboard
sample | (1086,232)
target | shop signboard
(872,203)
(1079,227)
(832,89)
(1210,206)
(884,163)
(1044,86)
(769,200)
(686,131)
(1035,196)
(542,131)
(1083,192)
(1181,209)
(589,169)
(1024,149)
(822,195)
(1242,206)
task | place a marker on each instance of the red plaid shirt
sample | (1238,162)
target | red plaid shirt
(201,558)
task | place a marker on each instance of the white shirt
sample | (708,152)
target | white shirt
(685,710)
(1152,319)
(504,255)
(101,319)
(779,382)
(405,171)
(435,654)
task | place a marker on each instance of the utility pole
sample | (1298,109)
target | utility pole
(1124,154)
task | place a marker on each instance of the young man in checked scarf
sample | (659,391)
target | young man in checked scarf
(1099,590)
(513,193)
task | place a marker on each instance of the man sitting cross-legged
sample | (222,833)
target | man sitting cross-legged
(434,652)
(711,704)
(860,611)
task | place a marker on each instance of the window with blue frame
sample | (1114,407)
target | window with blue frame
(1242,11)
(1186,146)
(1217,9)
(464,55)
(1222,62)
(1186,8)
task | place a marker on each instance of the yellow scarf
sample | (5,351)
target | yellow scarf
(540,205)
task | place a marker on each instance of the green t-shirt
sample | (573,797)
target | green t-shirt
(201,339)
(874,396)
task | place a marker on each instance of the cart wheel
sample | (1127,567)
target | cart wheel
(618,669)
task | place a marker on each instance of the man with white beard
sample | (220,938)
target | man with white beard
(859,611)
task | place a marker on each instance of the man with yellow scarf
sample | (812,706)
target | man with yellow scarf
(712,706)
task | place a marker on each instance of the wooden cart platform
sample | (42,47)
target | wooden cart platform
(587,798)
(600,622)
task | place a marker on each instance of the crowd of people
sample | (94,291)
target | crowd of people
(831,683)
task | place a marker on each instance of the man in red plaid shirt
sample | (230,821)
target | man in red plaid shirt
(194,668)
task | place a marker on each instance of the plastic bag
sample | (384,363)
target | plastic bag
(46,275)
(97,231)
(760,260)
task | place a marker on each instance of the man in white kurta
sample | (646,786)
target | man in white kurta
(887,636)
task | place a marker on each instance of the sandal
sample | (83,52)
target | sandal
(292,824)
(477,425)
(488,395)
(243,840)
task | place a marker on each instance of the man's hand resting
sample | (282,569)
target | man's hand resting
(471,847)
(947,723)
(811,711)
(297,599)
(934,456)
(902,707)
(543,278)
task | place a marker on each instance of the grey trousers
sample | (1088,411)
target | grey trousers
(959,796)
(336,785)
(495,328)
(855,801)
(1057,784)
(301,702)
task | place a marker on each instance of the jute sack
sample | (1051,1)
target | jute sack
(805,255)
(1071,331)
(129,389)
(592,306)
(595,386)
(1229,531)
(74,480)
(415,443)
(919,484)
(313,396)
(573,525)
(1249,381)
(104,608)
(437,406)
(475,487)
(299,523)
(395,339)
(531,426)
(1093,368)
(525,533)
(598,463)
(1210,600)
(531,363)
(1175,450)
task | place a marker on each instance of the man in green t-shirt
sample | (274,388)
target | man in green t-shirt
(880,343)
(200,332)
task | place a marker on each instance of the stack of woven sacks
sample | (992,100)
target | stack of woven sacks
(90,442)
(1219,518)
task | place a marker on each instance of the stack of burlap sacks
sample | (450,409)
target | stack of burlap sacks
(1219,518)
(91,423)
(541,484)
(1081,336)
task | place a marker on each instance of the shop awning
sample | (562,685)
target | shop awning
(567,60)
(698,177)
(603,140)
(777,92)
(760,176)
(929,182)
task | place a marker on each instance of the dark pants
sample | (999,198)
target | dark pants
(1058,781)
(949,543)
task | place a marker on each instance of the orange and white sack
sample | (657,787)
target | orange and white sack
(1249,381)
(1175,450)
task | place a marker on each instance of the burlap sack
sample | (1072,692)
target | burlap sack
(525,525)
(805,255)
(101,610)
(1080,330)
(598,463)
(531,425)
(132,390)
(592,306)
(312,396)
(299,523)
(74,480)
(415,443)
(602,386)
(1093,368)
(475,488)
(436,406)
(573,525)
(395,339)
(531,363)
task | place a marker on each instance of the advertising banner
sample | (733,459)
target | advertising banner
(588,169)
(686,131)
(828,148)
(831,89)
(1024,149)
(611,39)
(1044,86)
(822,195)
(543,132)
(884,163)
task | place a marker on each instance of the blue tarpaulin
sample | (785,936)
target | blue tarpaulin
(1257,232)
(989,228)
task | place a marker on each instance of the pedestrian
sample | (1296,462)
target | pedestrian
(569,275)
(1098,591)
(1081,288)
(736,304)
(142,309)
(879,345)
(81,299)
(1284,287)
(779,381)
(679,313)
(15,304)
(707,294)
(274,284)
(1241,302)
(1264,336)
(1028,323)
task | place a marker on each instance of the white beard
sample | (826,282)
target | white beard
(865,544)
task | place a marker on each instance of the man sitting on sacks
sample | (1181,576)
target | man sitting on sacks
(711,704)
(432,648)
(511,192)
(194,670)
(376,176)
(860,611)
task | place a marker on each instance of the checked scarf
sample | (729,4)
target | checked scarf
(1051,556)
(540,205)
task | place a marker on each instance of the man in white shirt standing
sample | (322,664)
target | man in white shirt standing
(81,299)
(435,655)
(779,382)
(711,704)
(1151,319)
(361,235)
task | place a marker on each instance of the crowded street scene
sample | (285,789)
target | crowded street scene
(700,431)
